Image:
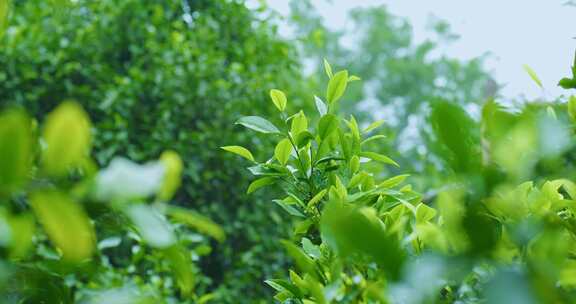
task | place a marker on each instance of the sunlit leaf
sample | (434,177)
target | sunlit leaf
(172,175)
(240,151)
(532,75)
(336,86)
(66,224)
(283,150)
(328,68)
(197,221)
(279,99)
(15,151)
(68,139)
(379,157)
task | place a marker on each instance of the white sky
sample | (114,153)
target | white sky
(539,33)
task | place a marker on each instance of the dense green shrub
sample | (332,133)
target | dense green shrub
(160,75)
(490,236)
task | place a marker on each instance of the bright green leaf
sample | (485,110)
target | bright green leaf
(533,75)
(67,137)
(337,86)
(283,150)
(299,124)
(172,175)
(240,151)
(328,68)
(66,224)
(197,221)
(379,158)
(279,99)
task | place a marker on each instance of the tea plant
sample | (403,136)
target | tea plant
(362,237)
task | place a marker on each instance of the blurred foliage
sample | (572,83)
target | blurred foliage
(164,80)
(158,75)
(67,228)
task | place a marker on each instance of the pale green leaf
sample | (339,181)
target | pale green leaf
(328,68)
(373,126)
(320,106)
(257,123)
(197,221)
(152,226)
(533,75)
(379,158)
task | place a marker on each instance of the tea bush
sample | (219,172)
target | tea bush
(363,236)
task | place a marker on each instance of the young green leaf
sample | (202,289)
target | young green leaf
(302,260)
(299,124)
(379,157)
(283,150)
(337,86)
(65,151)
(289,208)
(279,99)
(320,106)
(316,199)
(197,221)
(303,139)
(259,183)
(353,78)
(572,107)
(172,175)
(373,126)
(240,151)
(393,181)
(328,68)
(182,267)
(16,152)
(258,123)
(371,138)
(327,124)
(67,225)
(533,75)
